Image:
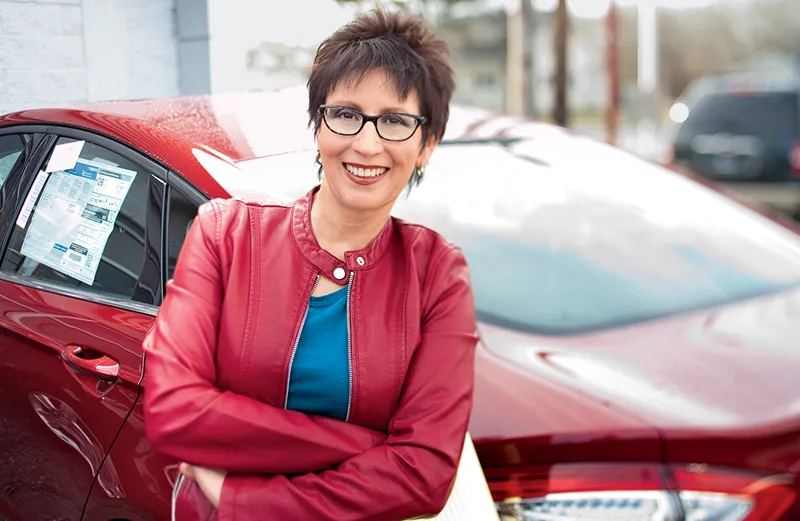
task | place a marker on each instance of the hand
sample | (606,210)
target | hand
(209,480)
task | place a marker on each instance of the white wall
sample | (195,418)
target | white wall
(60,51)
(131,48)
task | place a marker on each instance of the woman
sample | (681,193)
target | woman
(315,361)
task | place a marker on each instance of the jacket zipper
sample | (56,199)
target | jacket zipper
(349,349)
(294,349)
(175,493)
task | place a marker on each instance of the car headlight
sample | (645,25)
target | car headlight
(640,492)
(627,506)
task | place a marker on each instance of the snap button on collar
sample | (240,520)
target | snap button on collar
(339,273)
(360,260)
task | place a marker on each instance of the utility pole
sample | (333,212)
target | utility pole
(647,81)
(613,74)
(514,60)
(560,111)
(528,31)
(520,59)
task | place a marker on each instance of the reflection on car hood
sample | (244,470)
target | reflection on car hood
(517,418)
(731,368)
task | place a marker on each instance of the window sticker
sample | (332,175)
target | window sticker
(65,156)
(36,189)
(75,216)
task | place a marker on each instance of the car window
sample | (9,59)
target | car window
(569,249)
(11,147)
(182,212)
(773,116)
(83,225)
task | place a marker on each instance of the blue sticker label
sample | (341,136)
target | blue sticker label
(83,170)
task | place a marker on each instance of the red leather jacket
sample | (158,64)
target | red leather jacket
(220,352)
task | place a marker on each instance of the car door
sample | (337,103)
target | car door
(80,279)
(146,477)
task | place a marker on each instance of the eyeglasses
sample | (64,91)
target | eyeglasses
(348,121)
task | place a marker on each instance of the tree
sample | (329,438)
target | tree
(364,5)
(687,51)
(430,9)
(774,24)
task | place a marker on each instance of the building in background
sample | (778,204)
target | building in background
(54,52)
(60,51)
(274,65)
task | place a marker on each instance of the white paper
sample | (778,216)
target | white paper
(65,156)
(75,217)
(36,189)
(470,498)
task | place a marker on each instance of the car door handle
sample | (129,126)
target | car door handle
(90,361)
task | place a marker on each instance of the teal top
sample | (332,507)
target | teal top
(320,373)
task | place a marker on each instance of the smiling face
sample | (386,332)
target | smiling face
(365,172)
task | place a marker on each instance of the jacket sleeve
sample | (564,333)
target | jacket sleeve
(412,474)
(188,418)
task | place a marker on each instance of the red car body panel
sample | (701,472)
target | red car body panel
(542,422)
(144,477)
(72,418)
(715,387)
(724,411)
(158,142)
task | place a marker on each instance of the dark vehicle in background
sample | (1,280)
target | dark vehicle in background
(743,133)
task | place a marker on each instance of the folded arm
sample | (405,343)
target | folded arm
(188,418)
(411,475)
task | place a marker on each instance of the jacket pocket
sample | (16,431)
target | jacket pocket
(189,503)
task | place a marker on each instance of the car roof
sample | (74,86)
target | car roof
(736,83)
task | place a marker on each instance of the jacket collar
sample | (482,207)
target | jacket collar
(330,266)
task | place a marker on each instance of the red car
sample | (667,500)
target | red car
(640,332)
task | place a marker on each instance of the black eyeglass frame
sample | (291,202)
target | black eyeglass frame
(421,120)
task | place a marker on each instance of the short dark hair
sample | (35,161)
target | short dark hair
(401,45)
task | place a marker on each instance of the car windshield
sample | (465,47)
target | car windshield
(595,240)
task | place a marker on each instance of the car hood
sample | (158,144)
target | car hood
(517,418)
(727,374)
(731,367)
(719,386)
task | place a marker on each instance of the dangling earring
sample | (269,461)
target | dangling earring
(416,176)
(318,161)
